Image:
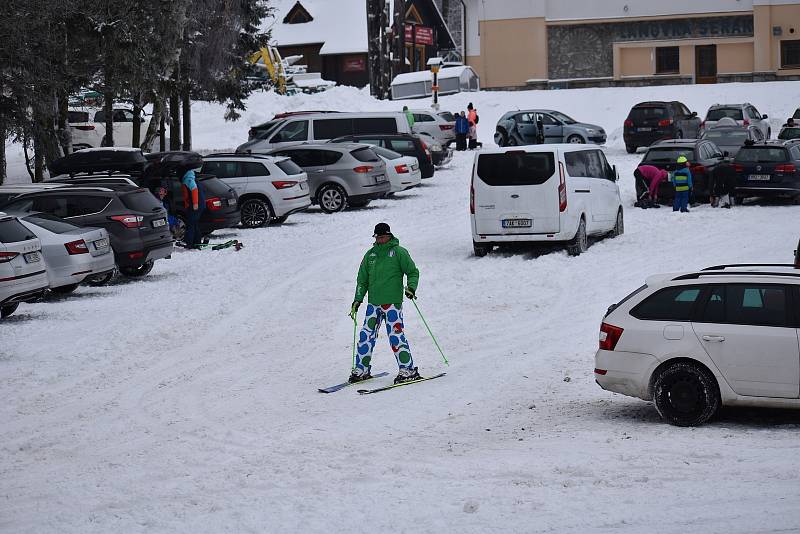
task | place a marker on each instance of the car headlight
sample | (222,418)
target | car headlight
(590,131)
(436,148)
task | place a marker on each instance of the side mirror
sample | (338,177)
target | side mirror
(764,117)
(616,174)
(725,153)
(694,114)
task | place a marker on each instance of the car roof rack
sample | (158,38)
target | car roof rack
(238,155)
(695,276)
(729,265)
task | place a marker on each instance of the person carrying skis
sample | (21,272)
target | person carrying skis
(682,181)
(193,203)
(462,130)
(409,116)
(381,276)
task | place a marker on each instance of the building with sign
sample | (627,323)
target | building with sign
(331,35)
(574,43)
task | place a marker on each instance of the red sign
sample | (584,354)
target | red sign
(355,64)
(424,34)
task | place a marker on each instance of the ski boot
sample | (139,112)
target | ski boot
(357,375)
(237,245)
(407,375)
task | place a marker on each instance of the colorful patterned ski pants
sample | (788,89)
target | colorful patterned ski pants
(393,316)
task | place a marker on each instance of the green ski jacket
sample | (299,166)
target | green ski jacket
(381,274)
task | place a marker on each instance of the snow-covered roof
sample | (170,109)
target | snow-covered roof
(339,25)
(425,75)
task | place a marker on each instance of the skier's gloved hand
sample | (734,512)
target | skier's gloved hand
(410,293)
(354,309)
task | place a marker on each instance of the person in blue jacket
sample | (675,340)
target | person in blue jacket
(682,181)
(193,204)
(462,130)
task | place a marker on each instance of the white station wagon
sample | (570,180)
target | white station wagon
(543,193)
(692,342)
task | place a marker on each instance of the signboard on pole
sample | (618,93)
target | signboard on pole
(424,34)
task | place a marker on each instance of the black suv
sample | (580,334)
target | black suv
(649,122)
(766,169)
(136,221)
(405,144)
(703,156)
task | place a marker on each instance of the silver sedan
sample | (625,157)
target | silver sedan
(71,253)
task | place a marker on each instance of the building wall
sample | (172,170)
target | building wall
(787,17)
(735,58)
(635,61)
(521,42)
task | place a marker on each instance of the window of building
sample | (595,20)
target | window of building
(667,60)
(790,54)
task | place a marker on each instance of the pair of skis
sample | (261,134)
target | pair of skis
(343,385)
(235,243)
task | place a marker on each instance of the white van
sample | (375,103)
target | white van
(543,193)
(321,128)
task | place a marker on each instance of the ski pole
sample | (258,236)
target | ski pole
(429,331)
(355,328)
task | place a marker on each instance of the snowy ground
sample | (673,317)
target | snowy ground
(187,402)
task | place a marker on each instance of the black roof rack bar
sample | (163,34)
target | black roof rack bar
(694,276)
(237,155)
(729,265)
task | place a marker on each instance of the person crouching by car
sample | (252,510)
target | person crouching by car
(652,177)
(193,202)
(462,130)
(723,184)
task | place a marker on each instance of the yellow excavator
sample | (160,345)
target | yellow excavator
(270,59)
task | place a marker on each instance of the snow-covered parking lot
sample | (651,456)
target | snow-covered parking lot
(187,401)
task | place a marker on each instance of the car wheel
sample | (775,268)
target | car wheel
(256,213)
(100,279)
(179,232)
(137,271)
(580,243)
(64,290)
(500,138)
(575,139)
(481,250)
(619,227)
(332,198)
(8,309)
(630,149)
(686,394)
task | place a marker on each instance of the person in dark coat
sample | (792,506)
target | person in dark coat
(723,185)
(462,130)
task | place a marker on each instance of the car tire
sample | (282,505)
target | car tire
(619,226)
(256,213)
(8,309)
(576,139)
(769,133)
(180,229)
(631,149)
(332,198)
(686,394)
(580,243)
(137,271)
(500,138)
(64,290)
(481,249)
(100,279)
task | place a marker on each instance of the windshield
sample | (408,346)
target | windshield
(762,154)
(789,133)
(719,113)
(386,153)
(566,119)
(670,154)
(726,137)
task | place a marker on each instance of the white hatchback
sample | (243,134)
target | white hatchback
(543,193)
(23,274)
(691,342)
(403,171)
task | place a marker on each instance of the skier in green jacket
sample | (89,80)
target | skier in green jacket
(381,275)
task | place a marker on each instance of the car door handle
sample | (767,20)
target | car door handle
(715,339)
(319,171)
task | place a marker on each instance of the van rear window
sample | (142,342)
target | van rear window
(516,168)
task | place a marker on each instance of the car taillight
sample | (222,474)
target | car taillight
(472,195)
(746,122)
(698,169)
(85,128)
(609,336)
(283,184)
(6,257)
(785,169)
(77,247)
(427,151)
(401,169)
(214,203)
(445,127)
(628,123)
(702,125)
(129,221)
(562,189)
(738,168)
(362,169)
(665,122)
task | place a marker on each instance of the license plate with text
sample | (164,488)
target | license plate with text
(517,223)
(159,222)
(31,257)
(759,177)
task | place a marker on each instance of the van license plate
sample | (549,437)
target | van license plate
(759,177)
(517,223)
(31,257)
(159,222)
